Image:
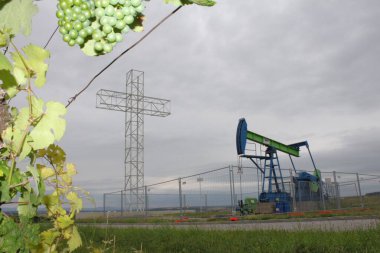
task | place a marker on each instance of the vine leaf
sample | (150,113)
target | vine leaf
(45,171)
(17,15)
(4,191)
(4,63)
(9,83)
(35,60)
(75,241)
(28,208)
(186,2)
(51,127)
(178,2)
(64,221)
(75,202)
(204,2)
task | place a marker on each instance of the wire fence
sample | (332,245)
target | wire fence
(220,190)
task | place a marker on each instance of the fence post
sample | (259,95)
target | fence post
(231,189)
(321,192)
(180,195)
(205,202)
(184,201)
(292,190)
(146,200)
(121,203)
(337,193)
(104,204)
(360,191)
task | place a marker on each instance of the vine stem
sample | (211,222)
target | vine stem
(72,99)
(25,133)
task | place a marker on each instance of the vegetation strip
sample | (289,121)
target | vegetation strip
(193,240)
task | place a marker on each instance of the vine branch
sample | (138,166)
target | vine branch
(72,99)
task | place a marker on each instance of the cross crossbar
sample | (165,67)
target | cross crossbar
(116,101)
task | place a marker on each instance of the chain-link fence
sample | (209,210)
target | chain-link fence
(220,190)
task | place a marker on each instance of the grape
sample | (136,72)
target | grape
(66,38)
(119,14)
(60,14)
(82,18)
(79,41)
(89,30)
(84,6)
(99,12)
(63,5)
(125,11)
(104,20)
(83,33)
(98,46)
(77,2)
(120,24)
(105,3)
(68,12)
(107,48)
(110,10)
(135,3)
(68,26)
(125,30)
(132,11)
(118,37)
(128,19)
(111,37)
(140,8)
(71,43)
(114,2)
(97,35)
(74,16)
(62,30)
(112,21)
(107,29)
(78,26)
(77,9)
(73,34)
(123,2)
(87,14)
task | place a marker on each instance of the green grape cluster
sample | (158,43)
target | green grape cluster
(103,22)
(75,18)
(114,19)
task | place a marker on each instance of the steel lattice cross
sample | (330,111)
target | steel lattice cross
(135,105)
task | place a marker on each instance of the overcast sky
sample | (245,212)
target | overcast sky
(296,70)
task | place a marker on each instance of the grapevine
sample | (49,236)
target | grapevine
(33,168)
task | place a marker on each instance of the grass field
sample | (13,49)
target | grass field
(168,240)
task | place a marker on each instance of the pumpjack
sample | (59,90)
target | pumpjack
(273,188)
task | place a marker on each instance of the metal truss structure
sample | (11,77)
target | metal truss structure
(135,105)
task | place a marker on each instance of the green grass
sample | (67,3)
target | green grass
(167,240)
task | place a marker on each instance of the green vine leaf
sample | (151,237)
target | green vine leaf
(35,61)
(204,2)
(51,127)
(75,202)
(17,15)
(178,2)
(8,83)
(28,207)
(4,63)
(4,191)
(75,241)
(187,2)
(64,222)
